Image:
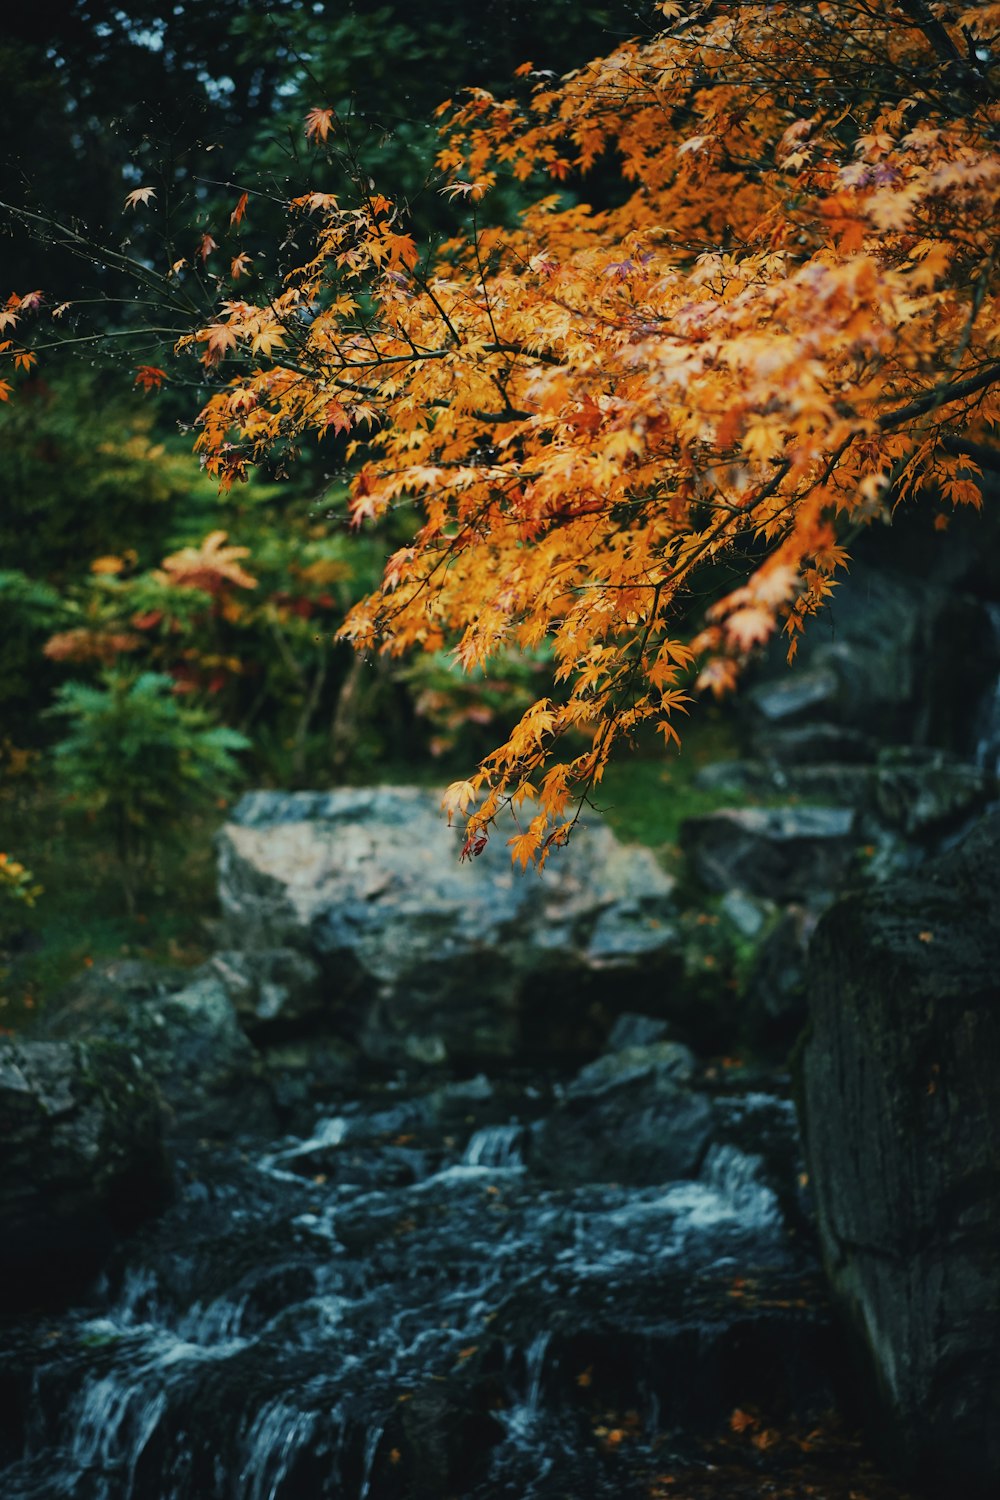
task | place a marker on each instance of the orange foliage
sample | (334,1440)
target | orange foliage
(789,317)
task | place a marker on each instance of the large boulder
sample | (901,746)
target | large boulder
(427,959)
(82,1161)
(901,1110)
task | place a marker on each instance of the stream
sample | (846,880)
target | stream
(407,1298)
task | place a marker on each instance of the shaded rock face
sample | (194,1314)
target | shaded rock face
(784,853)
(81,1161)
(273,990)
(425,959)
(901,1102)
(185,1030)
(626,1117)
(889,658)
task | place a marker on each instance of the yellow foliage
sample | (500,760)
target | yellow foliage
(792,310)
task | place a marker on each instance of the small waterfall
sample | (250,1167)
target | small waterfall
(736,1177)
(115,1423)
(534,1364)
(498,1146)
(280,1432)
(372,1439)
(253,1346)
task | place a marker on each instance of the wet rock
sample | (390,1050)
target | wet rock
(663,1060)
(444,1434)
(783,853)
(915,793)
(424,959)
(304,1073)
(82,1162)
(190,1044)
(276,992)
(626,1118)
(814,744)
(749,915)
(902,1118)
(919,793)
(773,998)
(632,1030)
(788,697)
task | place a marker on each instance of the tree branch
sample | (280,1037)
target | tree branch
(941,396)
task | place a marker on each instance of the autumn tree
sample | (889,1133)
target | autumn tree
(776,320)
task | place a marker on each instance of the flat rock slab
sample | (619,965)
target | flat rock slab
(427,958)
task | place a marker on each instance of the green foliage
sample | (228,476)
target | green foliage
(29,610)
(85,474)
(18,888)
(138,761)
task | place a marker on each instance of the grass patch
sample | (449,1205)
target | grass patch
(80,916)
(647,795)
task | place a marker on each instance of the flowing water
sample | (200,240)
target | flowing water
(405,1301)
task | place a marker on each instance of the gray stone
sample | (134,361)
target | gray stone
(633,1030)
(275,991)
(423,958)
(190,1044)
(919,793)
(82,1161)
(888,656)
(665,1061)
(749,916)
(788,697)
(912,793)
(902,1121)
(774,995)
(626,1118)
(783,853)
(814,743)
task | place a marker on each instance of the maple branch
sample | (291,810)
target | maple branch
(78,244)
(940,396)
(963,72)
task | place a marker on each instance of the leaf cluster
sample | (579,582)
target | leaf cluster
(787,323)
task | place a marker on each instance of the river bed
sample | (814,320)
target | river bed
(412,1297)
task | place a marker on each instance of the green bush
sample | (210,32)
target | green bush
(137,761)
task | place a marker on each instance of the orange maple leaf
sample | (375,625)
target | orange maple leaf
(141,195)
(150,377)
(318,124)
(209,567)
